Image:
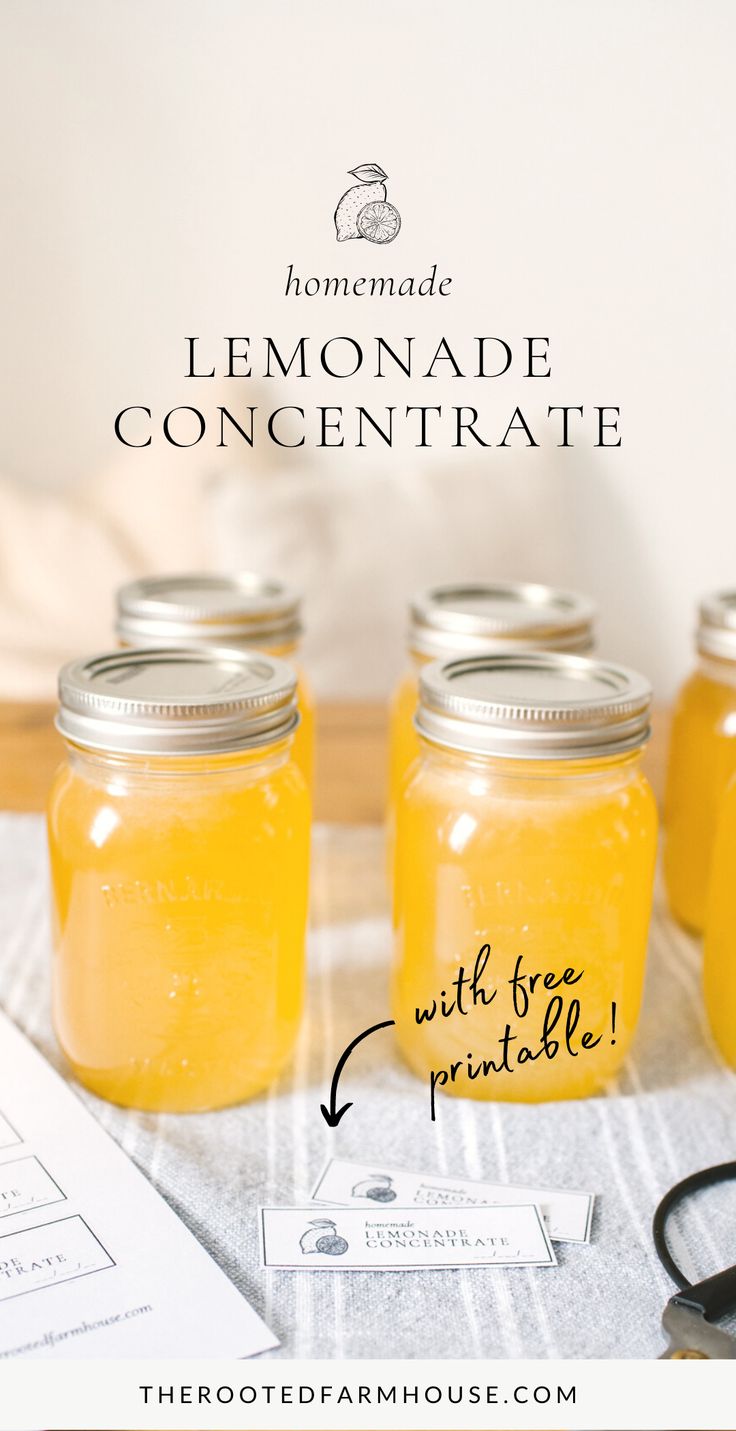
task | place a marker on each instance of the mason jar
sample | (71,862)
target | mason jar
(702,760)
(179,845)
(524,863)
(719,963)
(473,619)
(243,610)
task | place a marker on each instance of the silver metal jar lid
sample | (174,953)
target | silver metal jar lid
(716,634)
(174,701)
(479,616)
(216,608)
(533,706)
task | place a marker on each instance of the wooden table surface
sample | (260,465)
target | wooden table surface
(351,758)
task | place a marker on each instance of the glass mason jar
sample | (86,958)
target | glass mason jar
(702,760)
(719,964)
(210,609)
(473,620)
(525,846)
(179,846)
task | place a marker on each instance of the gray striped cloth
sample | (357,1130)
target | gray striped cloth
(672,1110)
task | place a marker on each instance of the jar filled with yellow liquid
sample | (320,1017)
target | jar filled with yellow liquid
(211,609)
(525,851)
(702,760)
(474,619)
(179,845)
(719,962)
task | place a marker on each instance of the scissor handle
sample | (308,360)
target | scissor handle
(714,1298)
(716,1295)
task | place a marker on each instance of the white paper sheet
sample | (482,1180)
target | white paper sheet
(93,1263)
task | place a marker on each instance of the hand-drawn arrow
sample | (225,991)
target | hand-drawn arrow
(333,1114)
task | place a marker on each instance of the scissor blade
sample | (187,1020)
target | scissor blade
(691,1338)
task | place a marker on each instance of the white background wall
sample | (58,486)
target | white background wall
(570,164)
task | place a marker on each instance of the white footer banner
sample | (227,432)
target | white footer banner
(366,1395)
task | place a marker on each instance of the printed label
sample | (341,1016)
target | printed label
(8,1135)
(353,1239)
(25,1184)
(568,1215)
(43,1256)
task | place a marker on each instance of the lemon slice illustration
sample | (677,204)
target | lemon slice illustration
(332,1245)
(379,222)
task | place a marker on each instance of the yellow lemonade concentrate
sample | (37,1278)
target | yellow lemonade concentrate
(702,761)
(476,619)
(525,851)
(242,610)
(719,966)
(179,845)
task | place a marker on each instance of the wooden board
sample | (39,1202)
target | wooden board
(351,758)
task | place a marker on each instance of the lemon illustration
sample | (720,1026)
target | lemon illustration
(322,1236)
(377,1187)
(379,222)
(370,189)
(381,1194)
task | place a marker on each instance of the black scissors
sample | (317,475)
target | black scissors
(689,1316)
